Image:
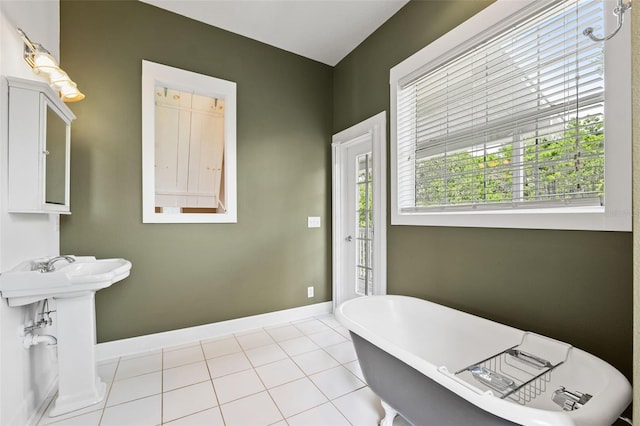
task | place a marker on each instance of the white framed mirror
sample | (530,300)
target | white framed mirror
(188,147)
(57,142)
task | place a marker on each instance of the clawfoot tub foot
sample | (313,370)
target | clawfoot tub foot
(389,414)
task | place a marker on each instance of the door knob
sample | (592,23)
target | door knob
(349,239)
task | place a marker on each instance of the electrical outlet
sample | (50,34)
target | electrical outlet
(310,291)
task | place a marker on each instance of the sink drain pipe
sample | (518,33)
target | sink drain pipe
(34,339)
(30,339)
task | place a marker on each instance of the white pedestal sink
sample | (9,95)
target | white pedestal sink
(73,286)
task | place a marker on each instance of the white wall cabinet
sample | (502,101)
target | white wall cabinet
(39,148)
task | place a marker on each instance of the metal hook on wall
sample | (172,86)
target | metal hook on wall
(619,11)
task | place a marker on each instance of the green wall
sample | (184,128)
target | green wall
(571,285)
(190,274)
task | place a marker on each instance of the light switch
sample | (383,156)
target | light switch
(313,222)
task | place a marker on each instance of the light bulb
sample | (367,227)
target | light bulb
(69,92)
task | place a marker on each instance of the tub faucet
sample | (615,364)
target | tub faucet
(48,265)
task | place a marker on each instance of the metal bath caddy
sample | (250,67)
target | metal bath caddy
(513,373)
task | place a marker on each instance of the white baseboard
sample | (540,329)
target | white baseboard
(35,402)
(49,394)
(150,342)
(25,413)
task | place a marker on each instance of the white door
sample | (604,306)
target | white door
(359,210)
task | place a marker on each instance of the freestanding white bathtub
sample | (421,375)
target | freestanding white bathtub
(439,366)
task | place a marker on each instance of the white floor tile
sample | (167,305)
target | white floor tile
(254,340)
(311,326)
(185,375)
(188,400)
(107,370)
(327,338)
(298,396)
(285,332)
(325,414)
(210,417)
(220,347)
(136,387)
(315,361)
(141,412)
(228,364)
(253,410)
(354,367)
(336,382)
(342,352)
(241,366)
(361,408)
(344,332)
(265,354)
(88,419)
(330,320)
(298,346)
(237,385)
(183,356)
(279,372)
(139,365)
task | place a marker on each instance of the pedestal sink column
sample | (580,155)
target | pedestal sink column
(78,383)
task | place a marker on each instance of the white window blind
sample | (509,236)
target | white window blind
(516,121)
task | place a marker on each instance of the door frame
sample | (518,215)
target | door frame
(376,126)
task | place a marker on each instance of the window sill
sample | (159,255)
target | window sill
(574,218)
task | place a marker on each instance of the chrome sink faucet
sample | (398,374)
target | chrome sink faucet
(48,265)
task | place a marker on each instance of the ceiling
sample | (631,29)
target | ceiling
(322,30)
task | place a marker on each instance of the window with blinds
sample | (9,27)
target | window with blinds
(514,122)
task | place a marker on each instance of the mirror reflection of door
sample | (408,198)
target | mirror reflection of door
(55,158)
(189,152)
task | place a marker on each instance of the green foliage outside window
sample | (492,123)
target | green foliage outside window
(571,165)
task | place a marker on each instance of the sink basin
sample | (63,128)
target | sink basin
(22,286)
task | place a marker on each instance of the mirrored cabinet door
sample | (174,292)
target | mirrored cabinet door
(55,158)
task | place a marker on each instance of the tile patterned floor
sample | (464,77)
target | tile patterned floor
(304,373)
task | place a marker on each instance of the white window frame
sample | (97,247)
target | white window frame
(616,214)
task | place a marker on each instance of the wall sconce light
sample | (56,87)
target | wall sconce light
(43,63)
